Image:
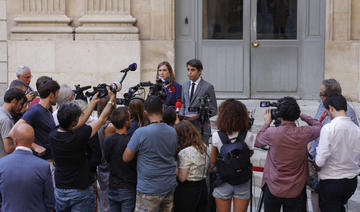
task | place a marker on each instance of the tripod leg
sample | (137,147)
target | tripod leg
(260,202)
(251,193)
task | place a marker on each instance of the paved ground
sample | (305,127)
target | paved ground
(258,159)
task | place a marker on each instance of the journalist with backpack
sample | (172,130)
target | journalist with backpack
(232,147)
(286,170)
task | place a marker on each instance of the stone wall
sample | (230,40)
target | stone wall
(155,19)
(89,41)
(3,47)
(343,46)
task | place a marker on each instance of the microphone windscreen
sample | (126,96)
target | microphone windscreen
(178,105)
(133,67)
(166,82)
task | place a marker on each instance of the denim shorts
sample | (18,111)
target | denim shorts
(226,191)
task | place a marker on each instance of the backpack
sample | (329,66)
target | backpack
(233,163)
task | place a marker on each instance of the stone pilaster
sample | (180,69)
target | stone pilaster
(3,48)
(107,20)
(42,20)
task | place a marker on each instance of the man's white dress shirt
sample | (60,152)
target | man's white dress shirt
(196,84)
(338,153)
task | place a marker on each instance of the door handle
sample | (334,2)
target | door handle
(255,44)
(186,20)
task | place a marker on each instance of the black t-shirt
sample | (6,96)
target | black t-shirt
(69,152)
(42,121)
(122,175)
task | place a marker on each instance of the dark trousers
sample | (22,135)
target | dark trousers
(334,193)
(191,196)
(273,203)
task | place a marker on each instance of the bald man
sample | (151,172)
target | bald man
(25,180)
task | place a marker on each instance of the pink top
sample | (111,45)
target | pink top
(286,169)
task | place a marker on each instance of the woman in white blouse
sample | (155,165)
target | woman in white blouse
(191,193)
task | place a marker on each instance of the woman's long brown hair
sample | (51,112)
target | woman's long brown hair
(171,71)
(188,135)
(136,109)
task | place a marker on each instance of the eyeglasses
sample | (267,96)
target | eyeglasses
(29,77)
(322,94)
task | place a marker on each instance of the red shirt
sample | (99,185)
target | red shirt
(286,169)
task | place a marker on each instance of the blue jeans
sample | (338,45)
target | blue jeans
(122,200)
(75,200)
(103,180)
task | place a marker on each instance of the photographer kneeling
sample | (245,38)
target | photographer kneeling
(286,169)
(69,144)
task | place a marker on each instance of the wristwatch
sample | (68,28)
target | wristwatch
(111,102)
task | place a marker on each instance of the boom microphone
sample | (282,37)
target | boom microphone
(132,67)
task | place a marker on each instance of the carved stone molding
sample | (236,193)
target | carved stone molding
(42,17)
(107,19)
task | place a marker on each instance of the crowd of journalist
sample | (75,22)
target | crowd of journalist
(64,149)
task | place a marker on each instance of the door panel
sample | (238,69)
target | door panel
(185,32)
(223,46)
(278,72)
(221,61)
(276,48)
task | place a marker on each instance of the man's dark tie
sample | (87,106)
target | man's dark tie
(192,90)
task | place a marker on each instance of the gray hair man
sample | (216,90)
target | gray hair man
(328,88)
(66,94)
(23,73)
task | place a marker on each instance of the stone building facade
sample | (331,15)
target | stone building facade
(89,41)
(85,41)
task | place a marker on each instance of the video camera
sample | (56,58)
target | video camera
(274,112)
(156,89)
(102,90)
(79,92)
(130,95)
(203,110)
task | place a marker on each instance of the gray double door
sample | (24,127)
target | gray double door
(253,48)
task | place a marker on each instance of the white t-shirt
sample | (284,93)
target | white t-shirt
(249,140)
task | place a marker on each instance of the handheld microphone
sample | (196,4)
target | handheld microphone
(178,106)
(132,67)
(166,82)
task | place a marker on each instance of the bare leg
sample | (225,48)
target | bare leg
(240,205)
(223,205)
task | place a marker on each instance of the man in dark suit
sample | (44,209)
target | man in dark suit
(25,180)
(192,93)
